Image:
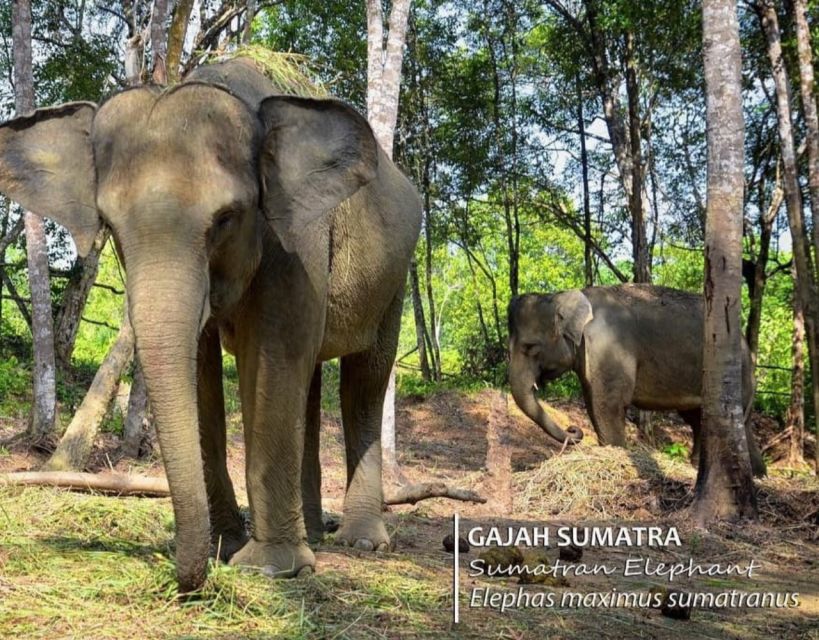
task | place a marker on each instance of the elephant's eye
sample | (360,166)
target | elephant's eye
(225,219)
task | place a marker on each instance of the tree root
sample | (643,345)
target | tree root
(117,484)
(424,490)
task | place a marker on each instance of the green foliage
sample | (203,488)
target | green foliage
(93,340)
(14,377)
(676,451)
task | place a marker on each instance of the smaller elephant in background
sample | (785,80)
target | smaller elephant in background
(628,344)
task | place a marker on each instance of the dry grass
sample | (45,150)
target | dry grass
(85,566)
(289,73)
(604,482)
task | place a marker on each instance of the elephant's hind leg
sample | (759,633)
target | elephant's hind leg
(364,378)
(311,465)
(693,417)
(228,529)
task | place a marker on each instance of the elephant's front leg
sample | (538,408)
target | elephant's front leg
(227,526)
(274,397)
(364,378)
(606,394)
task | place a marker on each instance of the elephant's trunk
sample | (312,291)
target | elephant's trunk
(522,382)
(167,303)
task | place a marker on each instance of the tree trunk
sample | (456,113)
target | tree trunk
(138,418)
(75,446)
(250,13)
(435,347)
(76,293)
(584,167)
(421,332)
(44,407)
(383,82)
(806,289)
(642,268)
(807,86)
(134,50)
(724,482)
(795,417)
(384,62)
(176,38)
(159,41)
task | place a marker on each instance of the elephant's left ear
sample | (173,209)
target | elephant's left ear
(574,312)
(315,155)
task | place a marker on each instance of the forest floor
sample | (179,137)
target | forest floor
(89,566)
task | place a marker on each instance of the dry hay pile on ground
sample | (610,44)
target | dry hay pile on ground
(640,483)
(792,503)
(605,482)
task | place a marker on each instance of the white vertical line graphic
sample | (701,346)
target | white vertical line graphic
(456,571)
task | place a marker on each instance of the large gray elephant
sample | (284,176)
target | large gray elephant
(273,223)
(628,344)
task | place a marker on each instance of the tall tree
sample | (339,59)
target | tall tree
(384,60)
(807,87)
(806,285)
(43,411)
(724,482)
(159,40)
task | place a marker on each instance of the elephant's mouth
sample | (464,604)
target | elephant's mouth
(547,375)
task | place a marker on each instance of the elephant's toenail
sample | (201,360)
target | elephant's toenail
(362,544)
(383,547)
(305,571)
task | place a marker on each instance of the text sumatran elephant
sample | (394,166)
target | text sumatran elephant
(273,223)
(628,344)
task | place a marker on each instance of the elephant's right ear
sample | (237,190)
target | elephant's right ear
(47,165)
(574,312)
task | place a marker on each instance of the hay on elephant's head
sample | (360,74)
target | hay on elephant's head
(605,482)
(290,73)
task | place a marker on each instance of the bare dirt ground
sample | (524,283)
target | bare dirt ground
(528,481)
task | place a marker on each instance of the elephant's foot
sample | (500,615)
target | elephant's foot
(225,544)
(366,534)
(276,560)
(314,523)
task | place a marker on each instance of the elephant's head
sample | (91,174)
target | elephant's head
(545,333)
(188,180)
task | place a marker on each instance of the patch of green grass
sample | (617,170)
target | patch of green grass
(676,451)
(76,565)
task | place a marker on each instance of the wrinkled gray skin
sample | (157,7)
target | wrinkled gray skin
(628,344)
(224,205)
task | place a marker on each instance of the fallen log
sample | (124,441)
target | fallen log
(118,484)
(124,485)
(413,493)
